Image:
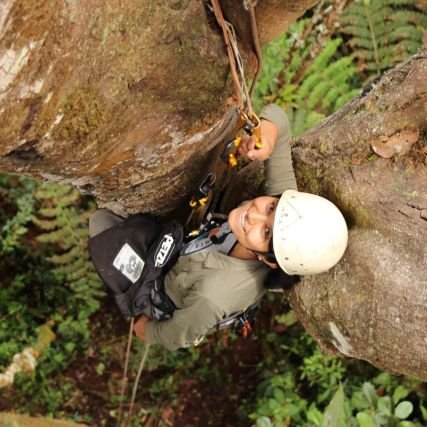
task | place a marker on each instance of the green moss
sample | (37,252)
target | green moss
(355,213)
(83,114)
(307,179)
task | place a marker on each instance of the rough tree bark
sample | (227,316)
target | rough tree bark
(125,100)
(373,305)
(122,99)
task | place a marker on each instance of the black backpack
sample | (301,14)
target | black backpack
(132,258)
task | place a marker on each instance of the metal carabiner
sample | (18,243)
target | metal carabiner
(252,126)
(229,153)
(201,197)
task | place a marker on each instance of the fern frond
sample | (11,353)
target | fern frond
(300,119)
(330,98)
(69,198)
(324,77)
(68,219)
(401,2)
(66,229)
(65,258)
(283,59)
(55,236)
(45,224)
(361,44)
(408,46)
(70,267)
(318,92)
(323,59)
(410,16)
(406,32)
(306,86)
(52,191)
(47,212)
(383,32)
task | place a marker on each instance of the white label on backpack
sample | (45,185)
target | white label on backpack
(129,263)
(164,250)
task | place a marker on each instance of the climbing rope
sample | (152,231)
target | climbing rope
(257,47)
(124,379)
(248,120)
(125,371)
(135,386)
(216,7)
(243,96)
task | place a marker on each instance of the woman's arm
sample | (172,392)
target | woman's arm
(276,151)
(279,172)
(187,325)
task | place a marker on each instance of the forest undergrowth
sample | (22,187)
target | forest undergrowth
(62,331)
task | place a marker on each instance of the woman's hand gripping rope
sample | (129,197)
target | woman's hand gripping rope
(268,135)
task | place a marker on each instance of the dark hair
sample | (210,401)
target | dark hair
(278,279)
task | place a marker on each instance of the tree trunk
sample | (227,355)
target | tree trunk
(373,305)
(121,99)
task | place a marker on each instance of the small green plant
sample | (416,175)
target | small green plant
(283,60)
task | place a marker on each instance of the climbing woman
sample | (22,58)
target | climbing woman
(225,271)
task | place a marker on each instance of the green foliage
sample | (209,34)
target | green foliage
(326,82)
(368,409)
(324,371)
(300,381)
(307,86)
(66,229)
(383,32)
(312,77)
(283,59)
(31,292)
(335,412)
(279,402)
(325,86)
(17,196)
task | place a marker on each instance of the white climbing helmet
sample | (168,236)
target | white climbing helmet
(309,234)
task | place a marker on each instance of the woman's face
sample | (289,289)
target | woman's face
(252,223)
